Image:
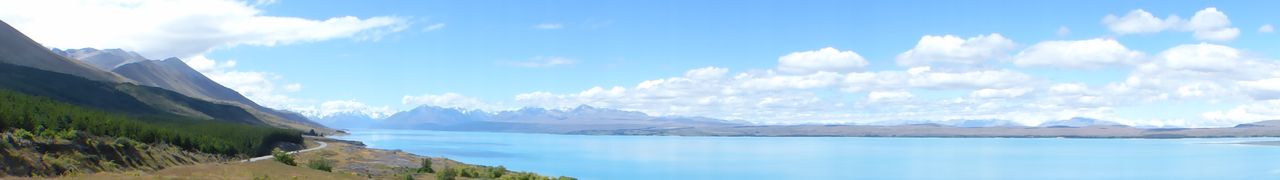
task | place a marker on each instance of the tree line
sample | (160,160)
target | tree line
(40,114)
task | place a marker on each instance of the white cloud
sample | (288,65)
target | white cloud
(434,27)
(1000,93)
(1083,54)
(1139,21)
(707,73)
(832,86)
(889,96)
(1069,88)
(1197,72)
(1251,112)
(769,97)
(1201,57)
(1208,18)
(1212,25)
(548,26)
(1224,34)
(1063,31)
(544,61)
(952,50)
(1266,28)
(178,28)
(264,88)
(771,81)
(264,2)
(927,78)
(825,59)
(1265,89)
(1208,24)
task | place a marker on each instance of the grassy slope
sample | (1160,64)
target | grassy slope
(125,98)
(50,156)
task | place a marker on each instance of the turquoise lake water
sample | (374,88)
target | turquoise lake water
(665,157)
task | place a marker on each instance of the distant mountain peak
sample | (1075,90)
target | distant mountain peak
(105,59)
(1079,122)
(582,116)
(584,107)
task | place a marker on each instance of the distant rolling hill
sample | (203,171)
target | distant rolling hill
(532,119)
(1079,122)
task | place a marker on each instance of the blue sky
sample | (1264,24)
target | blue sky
(483,54)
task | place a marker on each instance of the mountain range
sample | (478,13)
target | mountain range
(175,75)
(529,119)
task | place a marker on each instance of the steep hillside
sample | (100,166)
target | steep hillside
(127,98)
(18,49)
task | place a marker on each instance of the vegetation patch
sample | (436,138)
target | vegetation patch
(33,116)
(283,157)
(49,156)
(321,164)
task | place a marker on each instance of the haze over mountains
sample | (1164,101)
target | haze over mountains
(434,117)
(529,119)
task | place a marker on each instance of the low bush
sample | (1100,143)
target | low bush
(321,164)
(124,142)
(283,157)
(24,134)
(447,174)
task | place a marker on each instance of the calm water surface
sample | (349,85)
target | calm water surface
(662,157)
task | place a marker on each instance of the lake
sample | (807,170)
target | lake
(666,157)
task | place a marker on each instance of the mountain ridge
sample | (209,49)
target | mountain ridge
(175,75)
(23,51)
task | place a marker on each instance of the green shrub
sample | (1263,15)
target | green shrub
(283,157)
(495,172)
(426,166)
(124,142)
(321,164)
(108,165)
(63,163)
(68,134)
(447,174)
(24,134)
